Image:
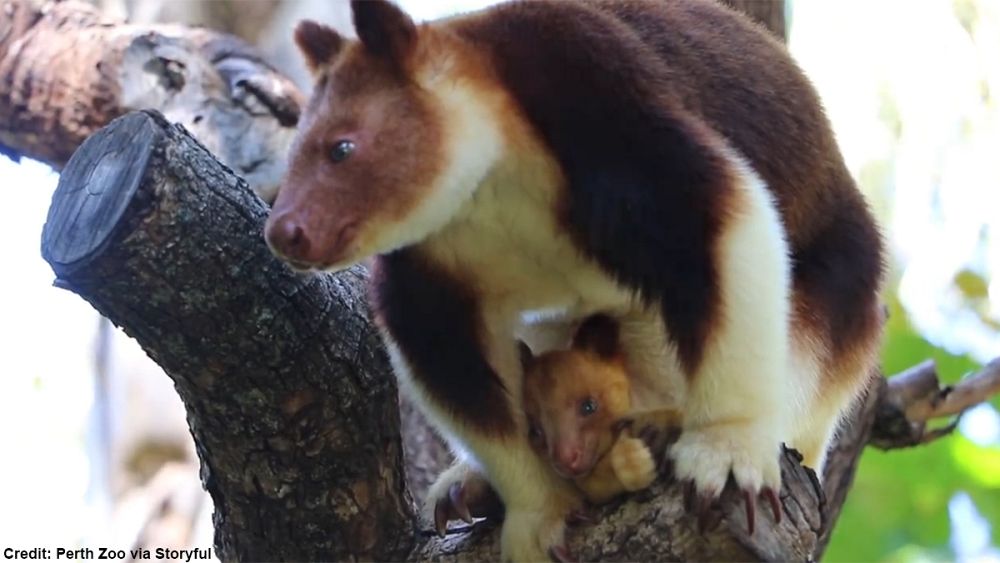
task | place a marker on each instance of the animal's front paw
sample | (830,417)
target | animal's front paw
(534,535)
(633,463)
(706,456)
(461,492)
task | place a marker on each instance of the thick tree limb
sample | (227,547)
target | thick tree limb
(654,525)
(425,453)
(288,392)
(916,397)
(66,72)
(843,457)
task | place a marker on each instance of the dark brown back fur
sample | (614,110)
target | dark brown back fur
(619,94)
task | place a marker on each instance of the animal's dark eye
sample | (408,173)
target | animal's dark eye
(588,407)
(341,150)
(535,433)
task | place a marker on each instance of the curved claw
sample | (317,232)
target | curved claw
(441,517)
(451,506)
(704,511)
(772,498)
(560,554)
(665,465)
(751,510)
(580,517)
(456,494)
(689,496)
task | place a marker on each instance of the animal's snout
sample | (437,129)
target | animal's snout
(569,459)
(306,245)
(288,239)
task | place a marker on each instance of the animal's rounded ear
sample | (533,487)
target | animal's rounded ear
(598,334)
(526,355)
(384,30)
(318,43)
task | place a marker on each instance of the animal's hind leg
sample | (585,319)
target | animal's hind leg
(836,399)
(830,385)
(815,437)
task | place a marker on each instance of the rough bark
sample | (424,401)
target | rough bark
(425,453)
(654,525)
(288,392)
(916,397)
(67,71)
(842,460)
(289,395)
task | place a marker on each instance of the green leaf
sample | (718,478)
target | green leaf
(972,285)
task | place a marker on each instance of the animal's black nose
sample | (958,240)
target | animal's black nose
(287,238)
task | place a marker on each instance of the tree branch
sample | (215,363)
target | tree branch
(67,71)
(915,397)
(288,392)
(654,525)
(843,458)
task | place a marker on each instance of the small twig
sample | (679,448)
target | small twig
(916,396)
(931,435)
(968,392)
(915,385)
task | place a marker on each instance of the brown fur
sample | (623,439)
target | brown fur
(372,103)
(557,382)
(317,43)
(623,125)
(555,385)
(708,65)
(440,313)
(809,179)
(815,193)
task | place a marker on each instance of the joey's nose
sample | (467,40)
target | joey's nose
(288,239)
(570,460)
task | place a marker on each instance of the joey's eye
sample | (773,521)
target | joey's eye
(588,407)
(341,150)
(535,433)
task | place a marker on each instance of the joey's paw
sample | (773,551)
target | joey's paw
(461,493)
(633,463)
(657,441)
(706,457)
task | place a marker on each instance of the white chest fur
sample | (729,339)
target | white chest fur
(507,242)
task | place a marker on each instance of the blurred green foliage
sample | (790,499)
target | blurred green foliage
(898,508)
(912,94)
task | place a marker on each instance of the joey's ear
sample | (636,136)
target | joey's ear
(384,30)
(598,334)
(526,355)
(318,43)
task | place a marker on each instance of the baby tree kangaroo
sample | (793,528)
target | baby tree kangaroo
(534,163)
(580,414)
